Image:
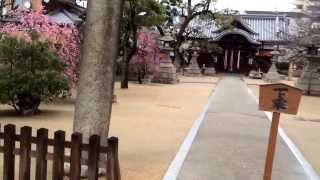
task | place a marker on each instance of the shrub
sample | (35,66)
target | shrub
(30,71)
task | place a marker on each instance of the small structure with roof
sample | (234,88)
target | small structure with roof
(59,11)
(248,42)
(64,11)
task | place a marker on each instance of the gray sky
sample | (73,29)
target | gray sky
(263,5)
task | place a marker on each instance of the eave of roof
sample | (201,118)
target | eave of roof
(58,16)
(246,25)
(273,13)
(237,32)
(242,23)
(70,5)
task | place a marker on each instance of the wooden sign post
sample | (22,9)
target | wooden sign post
(277,98)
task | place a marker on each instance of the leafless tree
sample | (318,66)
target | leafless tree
(202,9)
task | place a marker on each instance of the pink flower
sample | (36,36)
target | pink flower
(65,39)
(147,55)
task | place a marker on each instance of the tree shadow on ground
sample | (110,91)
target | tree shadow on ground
(46,112)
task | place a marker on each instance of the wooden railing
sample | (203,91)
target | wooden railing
(97,156)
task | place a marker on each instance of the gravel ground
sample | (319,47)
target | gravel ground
(151,122)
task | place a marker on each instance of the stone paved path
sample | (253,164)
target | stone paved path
(232,141)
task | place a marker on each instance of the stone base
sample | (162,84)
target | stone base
(311,86)
(272,77)
(167,73)
(166,81)
(146,81)
(297,73)
(210,71)
(192,72)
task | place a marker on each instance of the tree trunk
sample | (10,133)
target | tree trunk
(179,58)
(127,55)
(26,104)
(189,7)
(125,70)
(99,52)
(128,52)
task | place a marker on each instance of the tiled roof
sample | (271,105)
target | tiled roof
(268,27)
(64,17)
(237,31)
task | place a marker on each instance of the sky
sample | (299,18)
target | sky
(259,5)
(262,5)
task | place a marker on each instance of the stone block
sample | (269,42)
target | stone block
(210,71)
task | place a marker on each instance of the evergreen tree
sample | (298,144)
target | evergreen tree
(29,72)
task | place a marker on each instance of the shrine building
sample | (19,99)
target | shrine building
(247,44)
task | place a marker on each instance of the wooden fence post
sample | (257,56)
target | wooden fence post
(113,167)
(9,146)
(41,154)
(25,153)
(93,149)
(75,160)
(58,156)
(93,157)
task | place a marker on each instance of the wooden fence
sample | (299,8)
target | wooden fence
(94,151)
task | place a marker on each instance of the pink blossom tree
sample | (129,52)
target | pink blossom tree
(65,38)
(146,60)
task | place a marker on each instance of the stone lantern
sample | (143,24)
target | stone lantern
(310,77)
(167,72)
(193,70)
(273,76)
